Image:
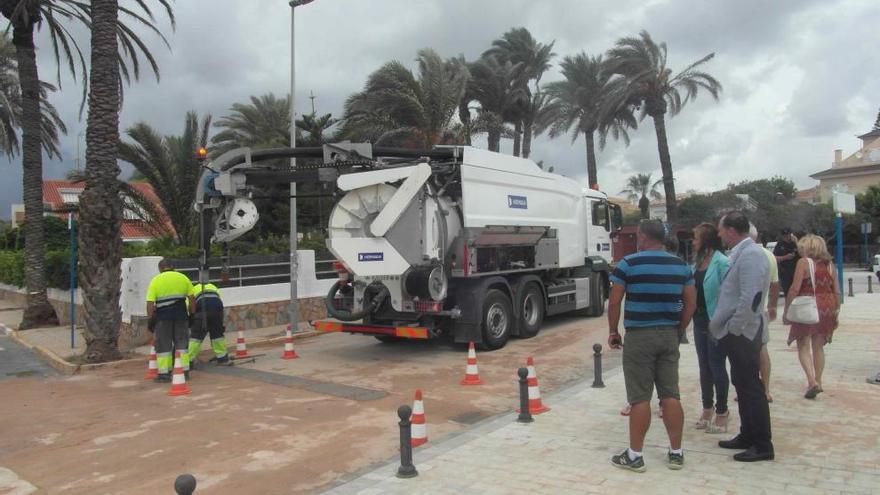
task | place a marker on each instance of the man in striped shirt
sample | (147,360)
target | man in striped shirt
(660,301)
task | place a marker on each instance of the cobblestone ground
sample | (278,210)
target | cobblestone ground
(827,445)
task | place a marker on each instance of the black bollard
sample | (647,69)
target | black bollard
(870,287)
(597,366)
(525,416)
(850,287)
(406,469)
(185,484)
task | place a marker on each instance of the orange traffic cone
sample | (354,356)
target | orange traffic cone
(472,374)
(152,367)
(289,352)
(535,404)
(240,346)
(419,426)
(178,380)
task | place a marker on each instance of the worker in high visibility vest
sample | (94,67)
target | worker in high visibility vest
(168,300)
(207,320)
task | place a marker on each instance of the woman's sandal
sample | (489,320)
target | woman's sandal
(703,422)
(812,392)
(714,427)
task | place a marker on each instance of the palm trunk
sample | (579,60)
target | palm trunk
(645,206)
(494,140)
(666,167)
(527,139)
(100,205)
(38,311)
(464,114)
(592,175)
(517,136)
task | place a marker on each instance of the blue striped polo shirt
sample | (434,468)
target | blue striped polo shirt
(654,283)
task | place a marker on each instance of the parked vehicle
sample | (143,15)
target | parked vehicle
(452,241)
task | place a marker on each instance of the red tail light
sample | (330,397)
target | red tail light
(428,306)
(341,269)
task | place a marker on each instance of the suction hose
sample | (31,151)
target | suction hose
(356,315)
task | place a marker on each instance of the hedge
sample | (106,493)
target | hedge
(56,265)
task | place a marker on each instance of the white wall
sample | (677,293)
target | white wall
(137,273)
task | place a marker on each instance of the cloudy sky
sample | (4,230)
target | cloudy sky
(801,77)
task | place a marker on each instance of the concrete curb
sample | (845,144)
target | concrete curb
(65,367)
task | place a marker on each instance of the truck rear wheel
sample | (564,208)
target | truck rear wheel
(497,319)
(532,305)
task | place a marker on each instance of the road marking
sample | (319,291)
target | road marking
(334,389)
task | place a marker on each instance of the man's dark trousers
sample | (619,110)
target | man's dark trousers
(754,412)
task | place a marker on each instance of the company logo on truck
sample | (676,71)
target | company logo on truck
(517,202)
(371,256)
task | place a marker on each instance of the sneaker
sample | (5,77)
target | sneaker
(622,461)
(674,461)
(163,378)
(223,359)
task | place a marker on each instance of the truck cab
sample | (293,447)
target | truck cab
(604,221)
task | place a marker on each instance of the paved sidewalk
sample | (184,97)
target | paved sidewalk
(827,445)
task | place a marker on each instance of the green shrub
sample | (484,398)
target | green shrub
(57,265)
(12,268)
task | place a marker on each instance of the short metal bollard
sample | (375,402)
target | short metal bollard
(850,287)
(870,286)
(525,416)
(597,366)
(406,469)
(185,484)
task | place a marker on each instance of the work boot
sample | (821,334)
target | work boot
(223,359)
(163,378)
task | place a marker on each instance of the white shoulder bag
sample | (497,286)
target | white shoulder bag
(804,309)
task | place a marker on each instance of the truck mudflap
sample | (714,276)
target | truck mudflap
(391,331)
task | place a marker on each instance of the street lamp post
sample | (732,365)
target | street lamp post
(293,309)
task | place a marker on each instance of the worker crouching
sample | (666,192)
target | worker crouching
(207,320)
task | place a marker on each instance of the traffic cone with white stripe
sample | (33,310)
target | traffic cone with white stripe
(152,367)
(535,404)
(419,424)
(240,346)
(178,379)
(289,351)
(472,374)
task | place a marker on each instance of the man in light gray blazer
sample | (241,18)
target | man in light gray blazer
(738,325)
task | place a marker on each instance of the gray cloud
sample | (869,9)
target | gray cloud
(800,77)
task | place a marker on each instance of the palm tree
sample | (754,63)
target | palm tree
(263,123)
(169,164)
(647,83)
(577,106)
(497,87)
(314,128)
(638,188)
(100,204)
(25,17)
(398,107)
(10,107)
(518,46)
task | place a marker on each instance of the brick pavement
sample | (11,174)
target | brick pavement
(829,445)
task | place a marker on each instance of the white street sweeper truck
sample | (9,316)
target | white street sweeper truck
(452,241)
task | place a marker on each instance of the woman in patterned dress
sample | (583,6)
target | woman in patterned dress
(811,338)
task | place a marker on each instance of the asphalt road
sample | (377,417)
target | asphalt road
(273,426)
(17,361)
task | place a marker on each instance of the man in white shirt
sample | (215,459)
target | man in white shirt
(771,296)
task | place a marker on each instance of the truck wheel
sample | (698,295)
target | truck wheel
(597,296)
(497,319)
(532,304)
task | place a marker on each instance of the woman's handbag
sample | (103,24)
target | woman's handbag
(803,309)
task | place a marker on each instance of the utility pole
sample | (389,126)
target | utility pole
(293,307)
(312,97)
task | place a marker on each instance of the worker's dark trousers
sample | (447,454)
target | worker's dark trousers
(171,336)
(214,320)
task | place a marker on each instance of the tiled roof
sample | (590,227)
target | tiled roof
(874,133)
(55,190)
(846,171)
